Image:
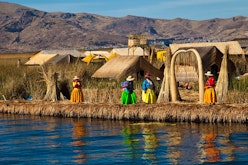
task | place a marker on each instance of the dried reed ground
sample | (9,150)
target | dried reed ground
(170,112)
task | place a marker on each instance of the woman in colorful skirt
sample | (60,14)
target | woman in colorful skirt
(77,94)
(210,94)
(148,90)
(128,95)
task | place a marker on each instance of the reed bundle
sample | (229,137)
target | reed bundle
(169,112)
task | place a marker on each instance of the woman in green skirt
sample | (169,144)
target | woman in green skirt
(128,95)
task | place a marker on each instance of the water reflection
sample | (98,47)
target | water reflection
(182,143)
(79,132)
(150,143)
(212,153)
(42,140)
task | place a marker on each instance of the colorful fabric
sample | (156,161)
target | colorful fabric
(128,97)
(77,94)
(147,83)
(210,95)
(210,82)
(149,96)
(128,85)
(148,92)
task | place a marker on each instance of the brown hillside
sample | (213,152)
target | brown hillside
(25,29)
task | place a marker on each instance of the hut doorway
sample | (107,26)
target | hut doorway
(215,70)
(193,55)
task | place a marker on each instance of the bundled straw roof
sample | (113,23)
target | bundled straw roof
(243,42)
(136,51)
(73,52)
(234,46)
(54,57)
(121,66)
(40,59)
(117,67)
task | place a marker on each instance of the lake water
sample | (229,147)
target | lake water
(47,140)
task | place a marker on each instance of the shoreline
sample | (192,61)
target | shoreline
(168,112)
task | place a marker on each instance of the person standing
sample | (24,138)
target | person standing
(128,95)
(210,94)
(77,94)
(148,90)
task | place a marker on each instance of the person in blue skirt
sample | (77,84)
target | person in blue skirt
(128,95)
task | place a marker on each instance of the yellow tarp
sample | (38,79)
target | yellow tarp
(161,56)
(94,58)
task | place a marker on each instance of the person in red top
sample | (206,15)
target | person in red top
(210,94)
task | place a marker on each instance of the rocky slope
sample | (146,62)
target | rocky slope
(25,29)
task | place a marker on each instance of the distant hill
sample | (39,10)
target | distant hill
(25,29)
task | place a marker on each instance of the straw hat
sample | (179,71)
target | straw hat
(130,78)
(76,78)
(209,73)
(147,75)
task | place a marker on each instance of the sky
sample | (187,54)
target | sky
(163,9)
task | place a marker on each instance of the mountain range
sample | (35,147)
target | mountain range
(26,29)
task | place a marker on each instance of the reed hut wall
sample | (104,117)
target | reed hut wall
(238,64)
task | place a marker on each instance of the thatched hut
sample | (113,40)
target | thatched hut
(237,59)
(121,66)
(195,59)
(54,57)
(186,63)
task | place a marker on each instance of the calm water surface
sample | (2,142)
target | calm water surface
(43,140)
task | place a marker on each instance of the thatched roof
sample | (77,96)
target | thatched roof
(40,59)
(136,51)
(73,52)
(65,59)
(243,42)
(121,66)
(234,46)
(45,57)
